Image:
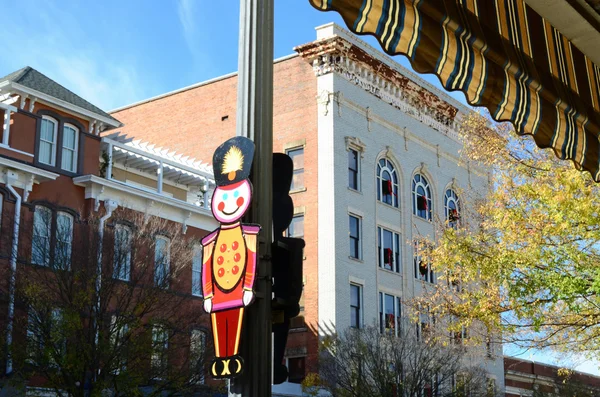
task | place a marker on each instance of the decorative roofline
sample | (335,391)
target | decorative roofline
(337,54)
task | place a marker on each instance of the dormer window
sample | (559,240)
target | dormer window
(69,148)
(48,137)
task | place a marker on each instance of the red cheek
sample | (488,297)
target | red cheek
(240,201)
(221,206)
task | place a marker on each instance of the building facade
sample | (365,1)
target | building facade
(528,378)
(66,191)
(376,165)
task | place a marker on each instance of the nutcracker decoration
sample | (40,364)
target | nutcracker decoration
(229,255)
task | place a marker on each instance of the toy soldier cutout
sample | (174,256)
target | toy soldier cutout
(229,254)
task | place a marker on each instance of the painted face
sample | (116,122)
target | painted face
(229,203)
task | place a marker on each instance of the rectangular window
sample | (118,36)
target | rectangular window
(491,387)
(47,149)
(160,345)
(297,156)
(64,241)
(296,369)
(354,237)
(122,260)
(423,269)
(69,149)
(424,326)
(460,336)
(355,306)
(35,338)
(197,353)
(353,169)
(40,244)
(118,339)
(45,329)
(161,261)
(389,249)
(489,347)
(389,314)
(296,228)
(57,337)
(197,271)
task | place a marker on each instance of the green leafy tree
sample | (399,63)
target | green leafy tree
(118,322)
(525,258)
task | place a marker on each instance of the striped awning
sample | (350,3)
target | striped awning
(502,55)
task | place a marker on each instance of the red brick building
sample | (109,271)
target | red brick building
(528,378)
(64,188)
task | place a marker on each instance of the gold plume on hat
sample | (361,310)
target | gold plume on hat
(232,162)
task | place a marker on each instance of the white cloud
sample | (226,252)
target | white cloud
(186,13)
(62,52)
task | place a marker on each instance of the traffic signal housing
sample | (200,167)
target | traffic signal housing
(286,260)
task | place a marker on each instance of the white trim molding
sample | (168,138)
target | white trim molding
(144,201)
(40,96)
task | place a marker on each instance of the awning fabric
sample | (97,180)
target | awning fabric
(502,55)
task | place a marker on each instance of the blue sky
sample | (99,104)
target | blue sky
(114,53)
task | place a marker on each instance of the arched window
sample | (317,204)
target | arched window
(422,203)
(197,270)
(70,140)
(452,208)
(48,138)
(64,241)
(387,183)
(198,352)
(42,228)
(122,253)
(162,260)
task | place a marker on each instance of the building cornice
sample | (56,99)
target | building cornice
(37,96)
(39,174)
(338,55)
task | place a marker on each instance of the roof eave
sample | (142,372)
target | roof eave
(19,88)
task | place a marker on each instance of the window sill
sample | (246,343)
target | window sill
(425,282)
(421,219)
(390,271)
(54,168)
(355,191)
(6,147)
(120,280)
(389,205)
(300,190)
(356,259)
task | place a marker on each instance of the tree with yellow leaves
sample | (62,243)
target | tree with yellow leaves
(525,259)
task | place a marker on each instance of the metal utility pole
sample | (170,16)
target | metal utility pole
(254,120)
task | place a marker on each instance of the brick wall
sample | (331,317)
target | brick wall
(196,120)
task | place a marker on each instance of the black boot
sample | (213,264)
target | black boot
(237,365)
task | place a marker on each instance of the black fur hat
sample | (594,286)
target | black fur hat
(232,160)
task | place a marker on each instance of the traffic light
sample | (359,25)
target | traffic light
(286,260)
